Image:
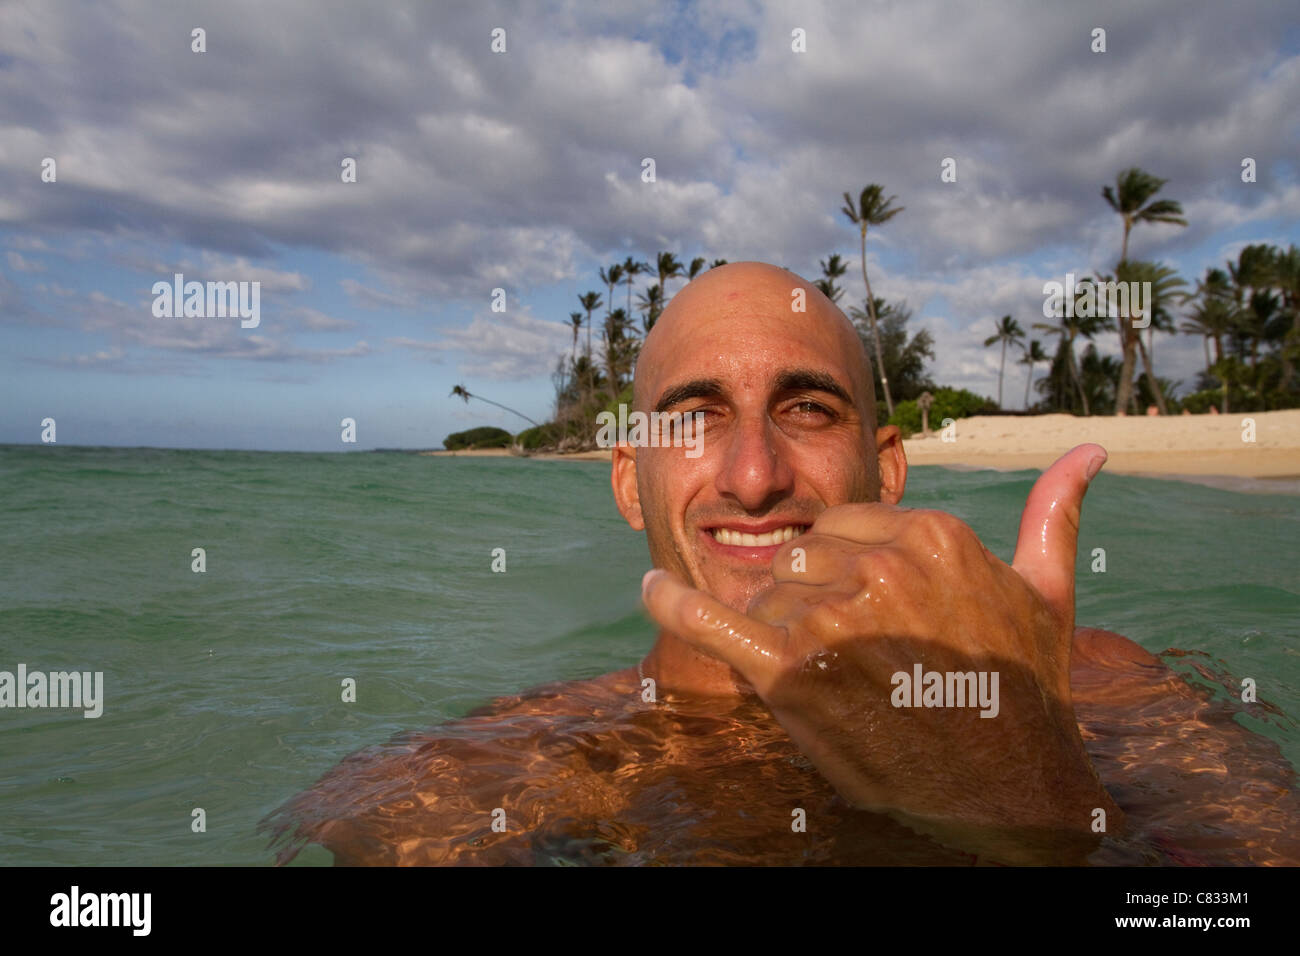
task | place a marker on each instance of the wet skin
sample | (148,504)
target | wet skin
(589,772)
(774,662)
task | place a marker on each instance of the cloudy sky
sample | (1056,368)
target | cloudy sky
(522,170)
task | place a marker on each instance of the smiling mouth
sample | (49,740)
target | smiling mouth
(743,539)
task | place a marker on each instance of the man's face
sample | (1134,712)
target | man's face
(788,427)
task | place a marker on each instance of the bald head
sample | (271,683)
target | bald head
(753,303)
(779,391)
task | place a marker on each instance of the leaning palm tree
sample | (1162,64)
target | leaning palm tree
(872,209)
(1009,331)
(590,302)
(1033,355)
(697,266)
(461,392)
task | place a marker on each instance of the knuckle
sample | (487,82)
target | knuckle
(827,618)
(878,566)
(943,530)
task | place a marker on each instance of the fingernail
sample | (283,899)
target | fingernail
(646,579)
(1094,466)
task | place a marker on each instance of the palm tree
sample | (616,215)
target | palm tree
(1100,373)
(591,302)
(872,209)
(1252,278)
(1133,187)
(1259,321)
(617,350)
(461,392)
(1202,321)
(717,262)
(632,269)
(1286,277)
(1130,198)
(576,319)
(832,269)
(1212,316)
(1009,330)
(611,277)
(1032,356)
(669,268)
(1164,283)
(651,304)
(1070,330)
(697,266)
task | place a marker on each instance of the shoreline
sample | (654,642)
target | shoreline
(1204,449)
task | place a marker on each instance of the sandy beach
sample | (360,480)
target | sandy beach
(1196,447)
(1183,445)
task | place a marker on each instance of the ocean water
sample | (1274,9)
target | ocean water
(223,688)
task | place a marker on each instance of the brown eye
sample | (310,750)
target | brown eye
(808,406)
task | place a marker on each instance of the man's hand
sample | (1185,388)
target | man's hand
(881,594)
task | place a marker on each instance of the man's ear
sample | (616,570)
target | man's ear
(622,477)
(892,463)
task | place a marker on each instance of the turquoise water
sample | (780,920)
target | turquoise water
(223,689)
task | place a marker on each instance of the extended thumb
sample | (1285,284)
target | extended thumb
(1049,526)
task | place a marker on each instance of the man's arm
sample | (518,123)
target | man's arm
(866,649)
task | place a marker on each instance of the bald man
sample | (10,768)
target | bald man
(836,678)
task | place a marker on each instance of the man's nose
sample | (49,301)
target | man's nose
(754,470)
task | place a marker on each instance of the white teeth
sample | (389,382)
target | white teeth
(742,539)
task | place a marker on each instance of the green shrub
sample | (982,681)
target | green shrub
(484,437)
(540,436)
(954,403)
(624,398)
(1198,403)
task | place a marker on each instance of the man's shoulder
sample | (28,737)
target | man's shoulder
(564,698)
(428,796)
(1096,645)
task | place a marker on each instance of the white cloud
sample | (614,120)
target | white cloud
(501,346)
(20,264)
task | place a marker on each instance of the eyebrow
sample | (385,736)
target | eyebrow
(811,380)
(695,388)
(790,380)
